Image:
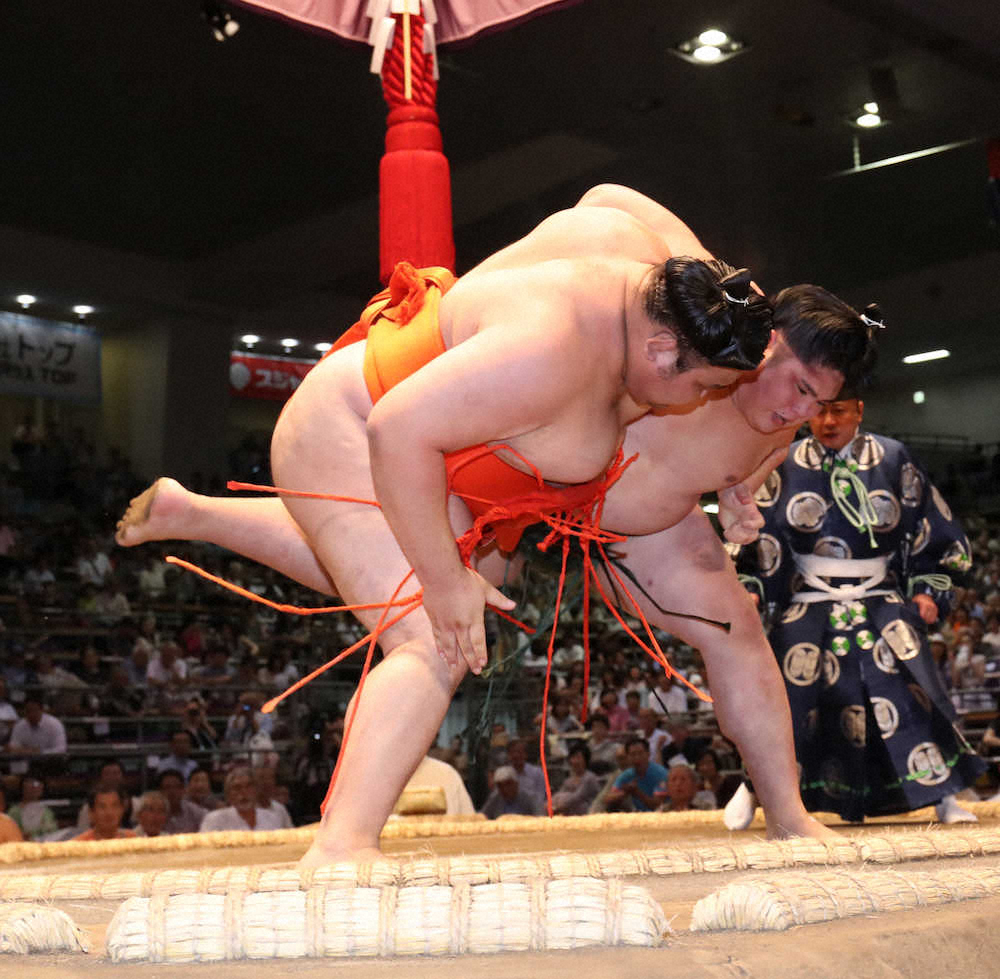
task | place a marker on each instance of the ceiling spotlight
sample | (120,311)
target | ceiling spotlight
(919,397)
(924,357)
(868,116)
(26,299)
(249,339)
(289,342)
(710,47)
(322,347)
(219,19)
(82,310)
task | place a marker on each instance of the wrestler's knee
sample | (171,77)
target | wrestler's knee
(423,653)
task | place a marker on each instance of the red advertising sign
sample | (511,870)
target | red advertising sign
(274,378)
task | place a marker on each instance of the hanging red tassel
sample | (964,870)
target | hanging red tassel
(414,178)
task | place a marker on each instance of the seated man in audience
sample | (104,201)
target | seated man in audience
(111,774)
(508,798)
(632,700)
(242,812)
(179,759)
(266,785)
(8,713)
(669,695)
(107,809)
(656,737)
(37,733)
(637,787)
(603,748)
(195,722)
(167,674)
(530,778)
(184,816)
(580,787)
(152,814)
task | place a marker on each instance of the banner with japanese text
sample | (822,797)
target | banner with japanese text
(48,359)
(274,378)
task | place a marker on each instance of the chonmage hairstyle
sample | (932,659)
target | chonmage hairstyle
(823,330)
(711,309)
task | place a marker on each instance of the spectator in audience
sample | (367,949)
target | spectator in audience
(681,789)
(708,768)
(151,817)
(8,713)
(603,749)
(616,714)
(215,675)
(632,701)
(39,575)
(635,680)
(199,790)
(18,674)
(52,677)
(179,759)
(167,674)
(120,698)
(34,818)
(637,786)
(111,604)
(93,566)
(152,578)
(531,779)
(656,737)
(508,798)
(669,695)
(195,722)
(683,744)
(580,787)
(184,816)
(107,808)
(279,674)
(112,775)
(89,668)
(137,663)
(36,733)
(313,770)
(992,634)
(242,811)
(265,786)
(10,832)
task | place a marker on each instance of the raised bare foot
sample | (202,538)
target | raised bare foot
(154,514)
(801,827)
(317,856)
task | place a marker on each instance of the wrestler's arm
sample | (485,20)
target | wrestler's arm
(680,239)
(496,385)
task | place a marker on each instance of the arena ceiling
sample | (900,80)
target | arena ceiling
(249,168)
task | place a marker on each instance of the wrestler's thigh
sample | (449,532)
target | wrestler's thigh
(685,569)
(320,445)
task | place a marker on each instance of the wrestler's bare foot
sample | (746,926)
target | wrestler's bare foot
(318,856)
(806,826)
(154,514)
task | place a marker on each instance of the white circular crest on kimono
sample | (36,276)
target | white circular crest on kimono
(882,655)
(809,454)
(852,724)
(831,667)
(768,554)
(939,501)
(802,664)
(920,696)
(769,492)
(887,510)
(794,612)
(911,485)
(832,547)
(831,773)
(886,716)
(902,639)
(923,535)
(867,452)
(926,764)
(865,638)
(805,511)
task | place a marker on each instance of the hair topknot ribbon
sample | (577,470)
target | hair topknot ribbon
(736,287)
(872,317)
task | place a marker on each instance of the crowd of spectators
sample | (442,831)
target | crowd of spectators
(131,692)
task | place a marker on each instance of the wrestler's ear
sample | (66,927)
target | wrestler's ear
(662,349)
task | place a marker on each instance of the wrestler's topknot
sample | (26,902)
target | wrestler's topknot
(823,330)
(711,310)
